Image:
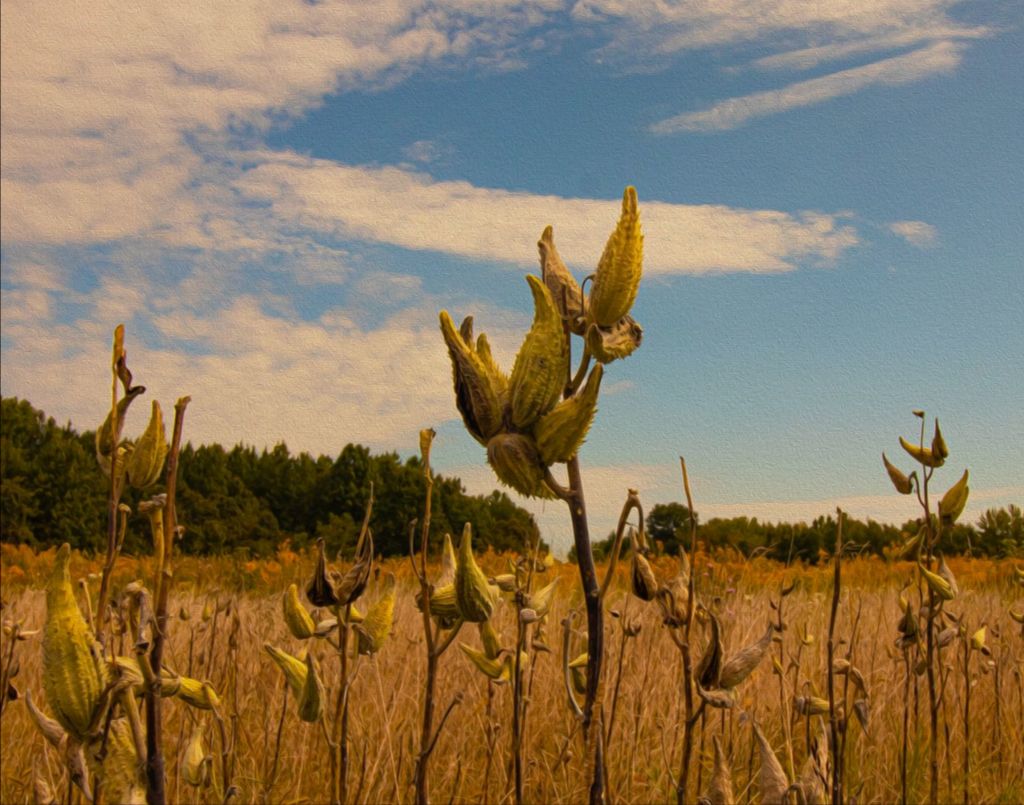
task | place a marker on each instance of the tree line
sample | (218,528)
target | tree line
(237,499)
(242,499)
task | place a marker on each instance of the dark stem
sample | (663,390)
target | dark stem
(833,722)
(684,645)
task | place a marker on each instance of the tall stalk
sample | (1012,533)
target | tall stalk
(689,718)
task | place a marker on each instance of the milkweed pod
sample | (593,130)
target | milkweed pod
(376,627)
(978,641)
(609,344)
(489,640)
(506,582)
(939,447)
(742,664)
(448,562)
(563,286)
(955,500)
(709,669)
(146,461)
(560,432)
(772,780)
(494,668)
(350,585)
(947,574)
(443,603)
(128,670)
(194,765)
(862,712)
(899,480)
(293,668)
(578,671)
(540,601)
(474,596)
(299,621)
(516,461)
(312,695)
(542,363)
(105,436)
(810,705)
(922,454)
(118,768)
(620,266)
(720,790)
(642,579)
(475,394)
(74,673)
(207,612)
(200,695)
(722,698)
(499,379)
(937,584)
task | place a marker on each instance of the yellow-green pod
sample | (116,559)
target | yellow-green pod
(540,601)
(955,500)
(542,364)
(146,461)
(474,596)
(300,622)
(922,454)
(312,696)
(562,284)
(489,639)
(516,461)
(118,771)
(938,585)
(620,266)
(560,432)
(376,626)
(494,668)
(74,673)
(200,695)
(293,668)
(475,394)
(193,764)
(899,480)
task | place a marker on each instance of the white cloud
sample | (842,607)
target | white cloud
(409,209)
(729,114)
(916,233)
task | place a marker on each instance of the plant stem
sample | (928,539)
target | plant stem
(689,720)
(833,721)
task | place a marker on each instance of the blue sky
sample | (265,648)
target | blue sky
(277,198)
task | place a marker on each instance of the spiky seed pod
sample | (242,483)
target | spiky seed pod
(720,789)
(772,780)
(74,673)
(922,455)
(709,669)
(643,582)
(377,625)
(475,394)
(194,765)
(620,266)
(293,668)
(146,461)
(560,432)
(899,480)
(499,379)
(312,696)
(474,596)
(118,769)
(516,461)
(939,447)
(563,286)
(609,344)
(542,363)
(540,601)
(953,502)
(200,695)
(444,605)
(937,584)
(742,664)
(300,622)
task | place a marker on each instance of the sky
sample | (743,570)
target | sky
(277,198)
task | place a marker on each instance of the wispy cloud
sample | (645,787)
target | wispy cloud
(729,114)
(916,233)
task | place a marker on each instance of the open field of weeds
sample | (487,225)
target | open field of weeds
(226,611)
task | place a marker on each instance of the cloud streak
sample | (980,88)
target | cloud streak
(942,57)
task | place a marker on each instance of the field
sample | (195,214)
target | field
(269,755)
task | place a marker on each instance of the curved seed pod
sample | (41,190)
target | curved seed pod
(812,706)
(294,669)
(119,767)
(937,584)
(772,781)
(354,615)
(105,435)
(720,789)
(815,773)
(620,266)
(673,597)
(899,480)
(1017,616)
(200,695)
(443,604)
(50,729)
(608,344)
(127,670)
(78,769)
(516,461)
(495,668)
(506,582)
(475,394)
(146,461)
(642,579)
(560,432)
(540,601)
(448,562)
(489,639)
(312,695)
(377,624)
(978,641)
(922,454)
(351,585)
(939,447)
(542,364)
(563,286)
(300,622)
(321,588)
(947,574)
(742,664)
(578,670)
(474,596)
(709,669)
(861,711)
(953,502)
(194,766)
(499,379)
(723,698)
(74,674)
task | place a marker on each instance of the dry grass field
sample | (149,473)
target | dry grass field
(271,756)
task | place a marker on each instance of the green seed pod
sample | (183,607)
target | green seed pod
(578,671)
(105,436)
(560,432)
(937,584)
(922,454)
(377,625)
(620,266)
(476,396)
(299,621)
(742,664)
(443,604)
(516,461)
(542,364)
(293,668)
(74,673)
(608,344)
(499,380)
(118,770)
(899,480)
(200,695)
(195,765)
(489,639)
(312,696)
(563,286)
(146,461)
(939,447)
(474,596)
(540,601)
(955,500)
(496,669)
